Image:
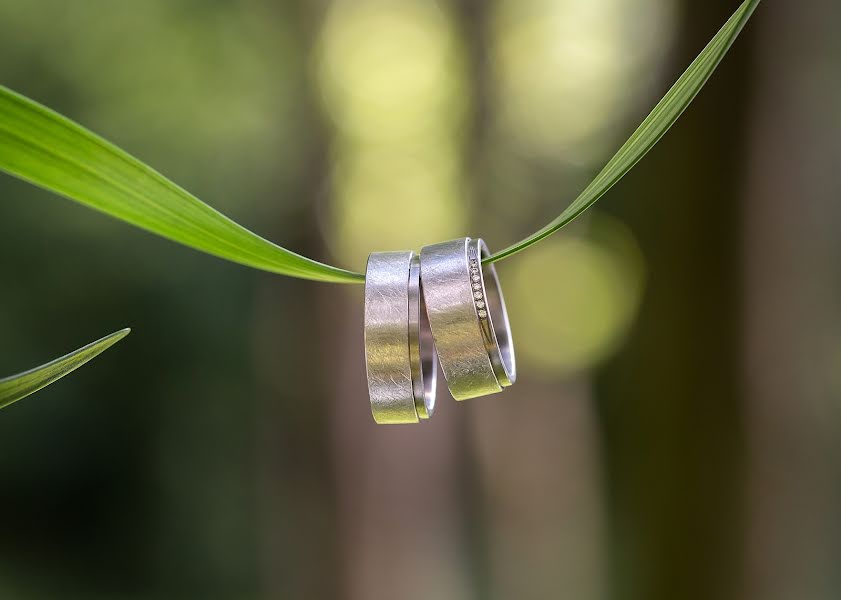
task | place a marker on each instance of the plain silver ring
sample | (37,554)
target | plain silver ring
(468,318)
(399,354)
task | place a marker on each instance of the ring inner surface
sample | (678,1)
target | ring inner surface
(413,324)
(500,347)
(429,362)
(421,347)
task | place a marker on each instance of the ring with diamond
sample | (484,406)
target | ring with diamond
(468,318)
(399,352)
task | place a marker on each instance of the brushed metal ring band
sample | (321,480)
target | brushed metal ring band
(468,318)
(399,354)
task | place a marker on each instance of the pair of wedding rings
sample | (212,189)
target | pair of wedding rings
(445,303)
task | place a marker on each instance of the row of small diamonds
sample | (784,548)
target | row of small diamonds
(478,298)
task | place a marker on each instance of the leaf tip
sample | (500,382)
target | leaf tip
(111,339)
(120,334)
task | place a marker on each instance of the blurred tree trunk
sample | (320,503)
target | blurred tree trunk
(672,409)
(300,550)
(298,524)
(399,489)
(535,517)
(793,295)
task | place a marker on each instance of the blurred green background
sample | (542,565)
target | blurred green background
(674,432)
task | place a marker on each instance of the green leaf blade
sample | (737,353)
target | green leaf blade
(19,386)
(651,131)
(44,148)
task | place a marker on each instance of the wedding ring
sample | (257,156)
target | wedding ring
(468,318)
(399,353)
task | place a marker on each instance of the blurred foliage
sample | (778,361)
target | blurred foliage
(564,71)
(447,117)
(392,77)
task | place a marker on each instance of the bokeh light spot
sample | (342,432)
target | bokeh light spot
(574,297)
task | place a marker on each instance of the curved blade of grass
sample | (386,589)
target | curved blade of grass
(653,128)
(21,385)
(47,149)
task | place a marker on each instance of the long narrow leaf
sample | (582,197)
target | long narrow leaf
(44,148)
(41,146)
(664,115)
(19,386)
